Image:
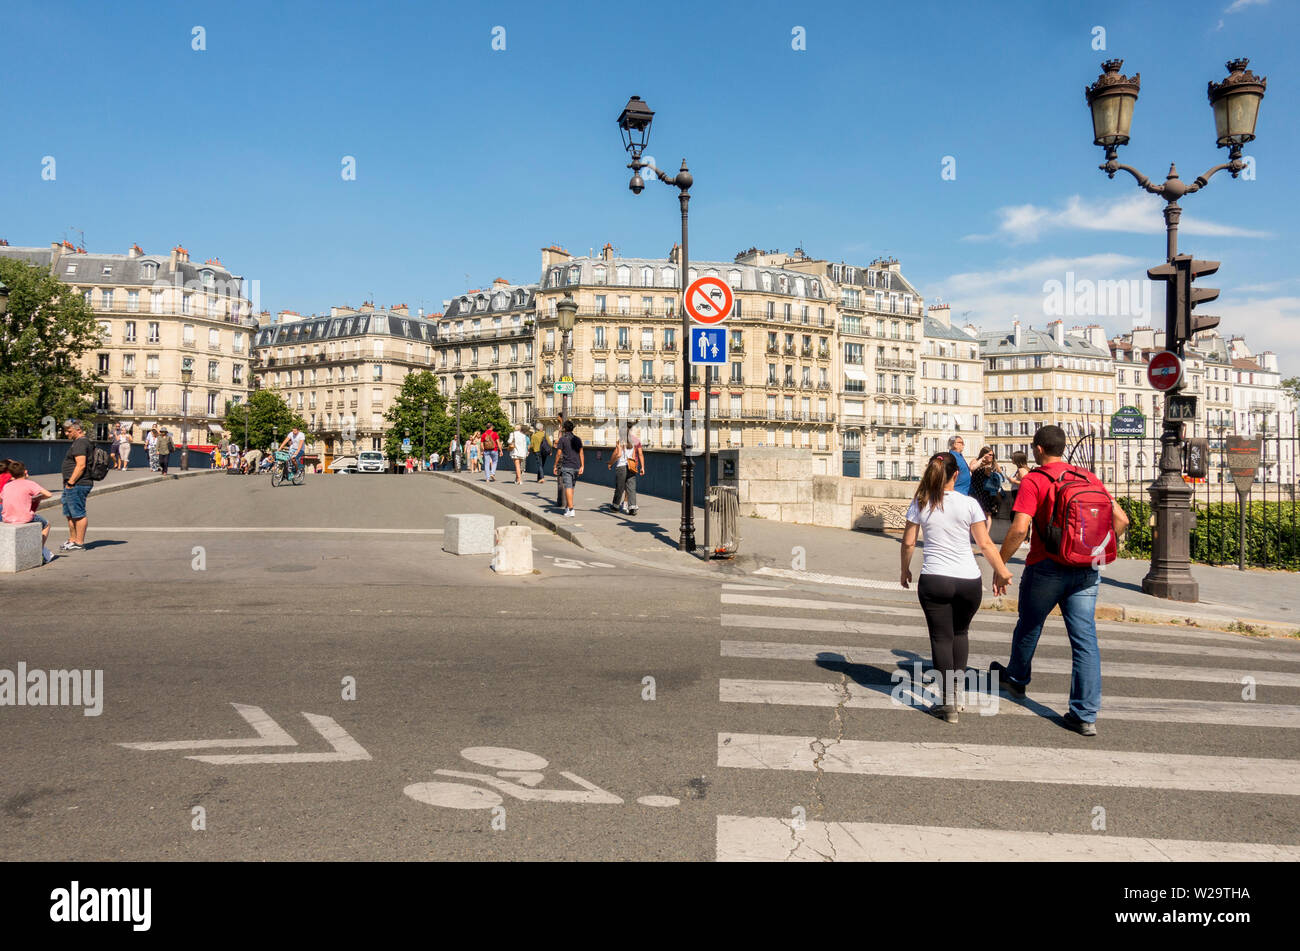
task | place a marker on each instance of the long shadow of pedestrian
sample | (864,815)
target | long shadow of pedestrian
(104,543)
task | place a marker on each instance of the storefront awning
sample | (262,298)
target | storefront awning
(854,373)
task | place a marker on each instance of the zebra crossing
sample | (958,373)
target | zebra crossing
(1200,723)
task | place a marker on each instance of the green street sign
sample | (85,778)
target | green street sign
(564,388)
(1128,423)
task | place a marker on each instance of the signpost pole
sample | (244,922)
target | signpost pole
(1241,528)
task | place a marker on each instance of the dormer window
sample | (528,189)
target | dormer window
(575,274)
(107,270)
(766,280)
(72,269)
(207,278)
(599,274)
(647,276)
(783,284)
(624,274)
(733,278)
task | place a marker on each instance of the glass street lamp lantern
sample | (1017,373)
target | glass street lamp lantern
(1111,99)
(1236,102)
(634,125)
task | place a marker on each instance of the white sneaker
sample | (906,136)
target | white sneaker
(568,513)
(46,556)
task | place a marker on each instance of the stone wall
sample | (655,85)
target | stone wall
(779,484)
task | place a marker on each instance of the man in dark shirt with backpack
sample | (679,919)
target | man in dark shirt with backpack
(1076,529)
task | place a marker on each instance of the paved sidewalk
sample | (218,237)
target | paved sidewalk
(808,554)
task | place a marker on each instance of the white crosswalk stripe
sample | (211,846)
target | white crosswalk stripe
(1059,761)
(763,839)
(1003,638)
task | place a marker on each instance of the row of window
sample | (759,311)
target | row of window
(895,329)
(781,283)
(107,300)
(215,404)
(153,334)
(152,369)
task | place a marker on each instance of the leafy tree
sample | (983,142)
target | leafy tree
(43,332)
(479,405)
(266,410)
(1292,386)
(405,415)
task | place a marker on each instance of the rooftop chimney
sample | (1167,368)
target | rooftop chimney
(607,252)
(179,256)
(1057,328)
(1015,333)
(942,313)
(554,255)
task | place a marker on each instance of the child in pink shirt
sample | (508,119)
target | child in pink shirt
(18,499)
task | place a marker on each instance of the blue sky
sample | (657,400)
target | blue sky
(469,159)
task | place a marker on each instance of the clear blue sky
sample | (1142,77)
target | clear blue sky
(469,160)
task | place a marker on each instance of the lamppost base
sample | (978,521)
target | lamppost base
(1172,586)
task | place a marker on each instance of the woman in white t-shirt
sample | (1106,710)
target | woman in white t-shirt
(950,587)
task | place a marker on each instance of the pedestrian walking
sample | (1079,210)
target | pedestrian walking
(1077,527)
(540,444)
(986,485)
(1021,462)
(627,461)
(76,485)
(124,450)
(472,452)
(956,446)
(518,452)
(151,446)
(164,448)
(491,444)
(950,587)
(569,464)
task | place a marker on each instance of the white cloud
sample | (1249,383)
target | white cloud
(1267,323)
(1135,214)
(1237,6)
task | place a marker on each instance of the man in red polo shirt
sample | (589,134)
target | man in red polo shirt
(1049,581)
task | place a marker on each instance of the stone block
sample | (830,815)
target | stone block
(468,534)
(799,512)
(770,510)
(782,492)
(800,469)
(825,488)
(513,553)
(20,547)
(803,492)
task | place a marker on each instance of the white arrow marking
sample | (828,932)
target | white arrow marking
(345,748)
(269,733)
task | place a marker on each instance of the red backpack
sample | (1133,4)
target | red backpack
(1080,532)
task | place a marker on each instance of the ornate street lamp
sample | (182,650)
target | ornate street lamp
(565,311)
(634,127)
(187,374)
(459,377)
(424,435)
(1235,101)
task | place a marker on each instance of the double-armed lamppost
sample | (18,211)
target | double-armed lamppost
(459,377)
(634,124)
(1235,101)
(187,374)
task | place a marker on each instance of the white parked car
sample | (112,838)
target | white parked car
(372,462)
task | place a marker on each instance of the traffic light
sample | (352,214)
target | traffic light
(1181,297)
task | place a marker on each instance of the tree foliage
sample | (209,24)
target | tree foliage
(269,416)
(1292,386)
(44,330)
(405,416)
(479,405)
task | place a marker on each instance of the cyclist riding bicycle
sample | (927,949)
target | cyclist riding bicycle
(295,442)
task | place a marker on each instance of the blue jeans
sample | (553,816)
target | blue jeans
(1043,586)
(489,463)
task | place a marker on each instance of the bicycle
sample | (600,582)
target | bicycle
(287,470)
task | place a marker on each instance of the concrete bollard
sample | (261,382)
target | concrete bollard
(467,534)
(513,554)
(20,547)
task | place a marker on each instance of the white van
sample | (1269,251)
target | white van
(371,461)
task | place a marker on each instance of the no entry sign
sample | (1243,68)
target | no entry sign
(709,300)
(1165,371)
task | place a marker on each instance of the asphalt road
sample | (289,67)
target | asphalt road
(769,732)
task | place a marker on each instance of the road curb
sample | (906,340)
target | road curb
(97,491)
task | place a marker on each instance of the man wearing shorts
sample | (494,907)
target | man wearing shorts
(569,463)
(295,442)
(76,486)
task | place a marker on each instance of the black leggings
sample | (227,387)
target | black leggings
(949,604)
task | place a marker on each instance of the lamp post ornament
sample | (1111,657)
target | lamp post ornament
(1235,101)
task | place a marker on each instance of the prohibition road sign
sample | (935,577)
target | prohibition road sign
(709,300)
(1165,371)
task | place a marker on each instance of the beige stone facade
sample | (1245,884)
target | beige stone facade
(155,313)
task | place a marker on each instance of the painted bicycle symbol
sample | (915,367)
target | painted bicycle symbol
(518,775)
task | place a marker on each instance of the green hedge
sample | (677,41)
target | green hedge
(1272,533)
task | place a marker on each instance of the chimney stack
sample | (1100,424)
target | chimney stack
(1015,333)
(942,313)
(1057,328)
